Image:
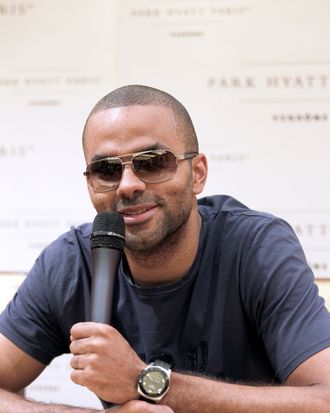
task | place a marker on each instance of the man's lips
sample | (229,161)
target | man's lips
(137,213)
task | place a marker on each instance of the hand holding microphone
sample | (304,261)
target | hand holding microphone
(103,360)
(99,351)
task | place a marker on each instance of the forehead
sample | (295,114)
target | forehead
(130,128)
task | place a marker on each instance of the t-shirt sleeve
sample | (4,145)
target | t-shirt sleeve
(50,300)
(281,298)
(28,320)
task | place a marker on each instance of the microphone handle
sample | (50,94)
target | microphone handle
(105,262)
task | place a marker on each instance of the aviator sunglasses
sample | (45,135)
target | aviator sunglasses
(151,166)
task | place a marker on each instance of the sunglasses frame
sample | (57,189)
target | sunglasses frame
(132,156)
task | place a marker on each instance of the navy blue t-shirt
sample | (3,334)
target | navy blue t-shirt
(246,310)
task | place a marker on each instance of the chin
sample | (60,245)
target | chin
(138,243)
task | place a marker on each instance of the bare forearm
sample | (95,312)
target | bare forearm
(194,394)
(12,403)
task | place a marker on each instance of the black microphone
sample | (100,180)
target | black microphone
(107,244)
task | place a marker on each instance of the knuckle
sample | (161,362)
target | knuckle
(103,329)
(92,360)
(134,406)
(74,329)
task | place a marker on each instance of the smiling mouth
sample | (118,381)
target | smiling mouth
(136,212)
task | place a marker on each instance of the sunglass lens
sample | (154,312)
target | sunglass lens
(107,171)
(155,166)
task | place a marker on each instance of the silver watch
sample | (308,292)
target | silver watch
(154,381)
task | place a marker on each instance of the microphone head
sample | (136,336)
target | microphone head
(108,231)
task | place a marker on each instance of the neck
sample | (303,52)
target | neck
(170,260)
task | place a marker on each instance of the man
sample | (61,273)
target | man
(215,309)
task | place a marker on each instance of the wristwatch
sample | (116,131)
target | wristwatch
(154,381)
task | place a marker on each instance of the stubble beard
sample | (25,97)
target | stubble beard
(161,242)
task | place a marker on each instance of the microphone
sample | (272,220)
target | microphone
(107,242)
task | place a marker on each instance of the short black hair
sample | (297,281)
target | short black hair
(132,95)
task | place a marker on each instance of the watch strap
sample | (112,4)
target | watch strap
(161,363)
(145,399)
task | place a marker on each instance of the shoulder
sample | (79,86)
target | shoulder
(76,235)
(227,205)
(231,219)
(64,261)
(253,242)
(72,243)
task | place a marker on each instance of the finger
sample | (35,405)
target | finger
(138,406)
(76,362)
(88,329)
(82,346)
(82,330)
(78,377)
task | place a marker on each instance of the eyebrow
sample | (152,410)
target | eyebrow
(98,157)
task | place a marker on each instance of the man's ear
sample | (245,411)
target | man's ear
(199,170)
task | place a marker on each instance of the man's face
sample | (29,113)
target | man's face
(151,211)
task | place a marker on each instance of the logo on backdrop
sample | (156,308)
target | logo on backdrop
(274,88)
(44,84)
(187,20)
(15,9)
(15,151)
(269,82)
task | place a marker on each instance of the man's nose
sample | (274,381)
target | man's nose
(130,184)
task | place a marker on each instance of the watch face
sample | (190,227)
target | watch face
(154,382)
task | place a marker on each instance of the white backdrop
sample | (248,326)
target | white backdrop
(254,74)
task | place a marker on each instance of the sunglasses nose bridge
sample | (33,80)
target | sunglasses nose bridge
(125,163)
(130,182)
(130,162)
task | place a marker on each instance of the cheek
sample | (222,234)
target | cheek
(182,183)
(101,201)
(179,193)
